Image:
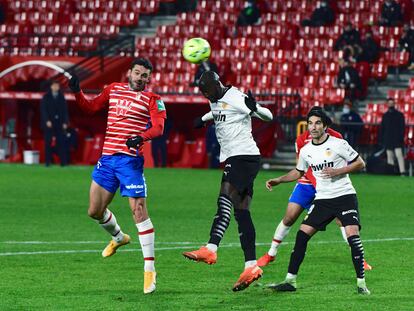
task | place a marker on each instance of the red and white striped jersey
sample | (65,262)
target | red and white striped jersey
(302,140)
(130,113)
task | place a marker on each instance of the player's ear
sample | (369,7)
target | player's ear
(128,73)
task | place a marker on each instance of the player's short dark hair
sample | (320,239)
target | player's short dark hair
(208,77)
(319,112)
(142,62)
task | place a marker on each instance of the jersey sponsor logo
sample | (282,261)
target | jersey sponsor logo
(349,211)
(132,186)
(321,166)
(219,117)
(160,105)
(122,107)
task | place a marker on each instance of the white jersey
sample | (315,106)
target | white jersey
(233,125)
(335,153)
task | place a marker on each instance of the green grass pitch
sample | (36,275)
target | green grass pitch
(64,269)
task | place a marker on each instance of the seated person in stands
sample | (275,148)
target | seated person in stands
(391,14)
(250,15)
(348,79)
(369,49)
(323,15)
(349,38)
(406,43)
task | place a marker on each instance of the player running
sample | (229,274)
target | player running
(232,111)
(301,199)
(135,115)
(331,159)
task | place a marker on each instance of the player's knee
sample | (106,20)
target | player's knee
(95,213)
(288,220)
(351,230)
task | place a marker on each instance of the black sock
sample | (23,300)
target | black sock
(357,251)
(247,233)
(221,220)
(299,251)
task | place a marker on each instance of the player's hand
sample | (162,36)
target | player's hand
(272,182)
(329,172)
(198,123)
(133,142)
(74,84)
(250,101)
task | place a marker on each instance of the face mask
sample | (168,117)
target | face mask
(346,110)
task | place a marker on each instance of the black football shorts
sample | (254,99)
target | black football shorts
(240,172)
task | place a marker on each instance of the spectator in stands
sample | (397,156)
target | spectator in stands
(213,147)
(323,15)
(351,124)
(2,13)
(369,49)
(348,79)
(249,15)
(392,135)
(406,43)
(185,5)
(54,122)
(391,13)
(349,38)
(159,146)
(207,65)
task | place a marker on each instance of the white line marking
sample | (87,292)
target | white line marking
(184,245)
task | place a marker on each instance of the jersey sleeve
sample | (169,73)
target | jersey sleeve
(98,103)
(346,151)
(158,115)
(302,165)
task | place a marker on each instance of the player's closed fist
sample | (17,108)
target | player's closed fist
(133,142)
(198,123)
(74,84)
(250,101)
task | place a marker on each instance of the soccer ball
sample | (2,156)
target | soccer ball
(196,50)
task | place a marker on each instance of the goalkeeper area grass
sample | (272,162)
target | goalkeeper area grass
(50,250)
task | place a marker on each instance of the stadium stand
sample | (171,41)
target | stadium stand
(277,56)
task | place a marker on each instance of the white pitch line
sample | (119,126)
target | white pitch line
(184,245)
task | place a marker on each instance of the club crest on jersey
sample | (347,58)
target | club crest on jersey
(328,152)
(122,107)
(224,105)
(321,166)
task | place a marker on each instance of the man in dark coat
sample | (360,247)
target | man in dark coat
(392,134)
(351,124)
(54,122)
(391,14)
(323,15)
(348,79)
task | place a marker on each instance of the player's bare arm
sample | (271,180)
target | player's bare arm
(289,177)
(356,165)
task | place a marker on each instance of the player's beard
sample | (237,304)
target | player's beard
(134,85)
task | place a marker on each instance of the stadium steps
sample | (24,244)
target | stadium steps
(392,83)
(284,158)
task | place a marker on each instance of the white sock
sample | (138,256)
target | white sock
(344,234)
(281,232)
(291,276)
(212,247)
(108,222)
(146,237)
(250,263)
